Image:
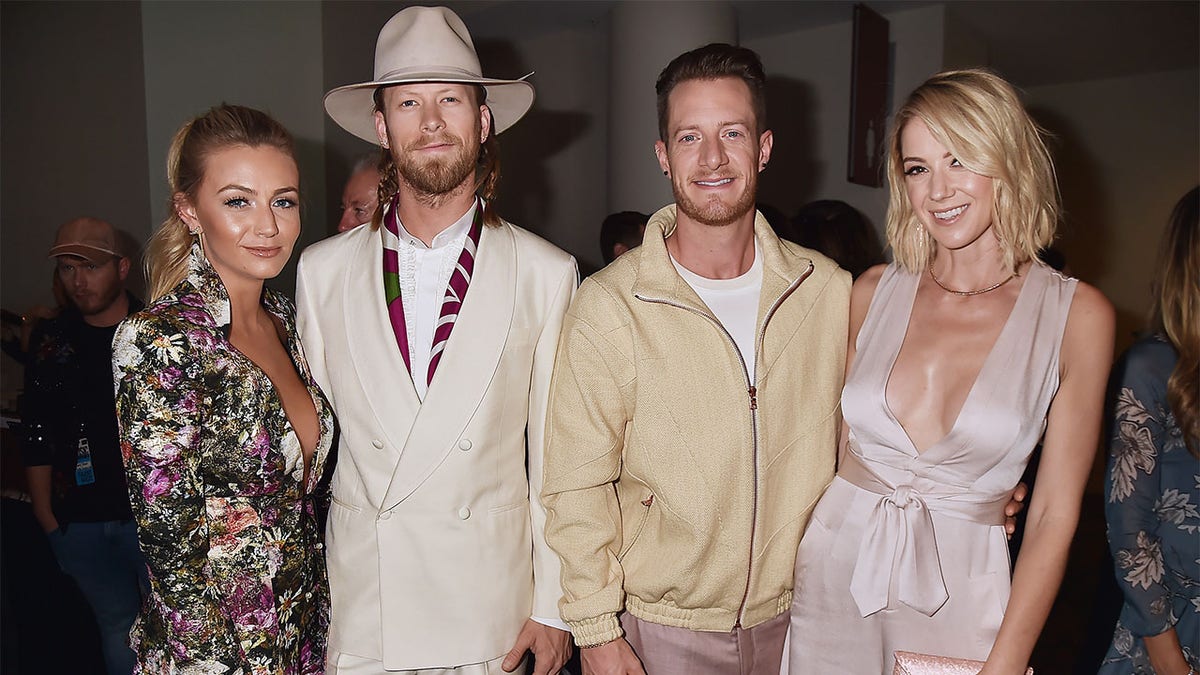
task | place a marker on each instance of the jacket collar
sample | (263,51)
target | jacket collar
(215,298)
(657,278)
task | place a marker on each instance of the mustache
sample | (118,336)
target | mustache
(440,139)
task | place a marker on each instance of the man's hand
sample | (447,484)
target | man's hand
(551,648)
(1014,506)
(612,658)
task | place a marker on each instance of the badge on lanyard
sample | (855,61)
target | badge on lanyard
(84,475)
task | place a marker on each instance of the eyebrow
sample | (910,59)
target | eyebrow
(243,188)
(921,159)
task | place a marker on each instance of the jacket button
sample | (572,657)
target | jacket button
(464,444)
(464,513)
(385,515)
(377,443)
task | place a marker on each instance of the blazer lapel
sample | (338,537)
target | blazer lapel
(468,364)
(380,369)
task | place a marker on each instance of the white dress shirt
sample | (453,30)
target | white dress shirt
(424,275)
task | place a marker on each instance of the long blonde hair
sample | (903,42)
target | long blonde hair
(1176,312)
(221,127)
(978,116)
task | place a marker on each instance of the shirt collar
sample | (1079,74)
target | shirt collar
(454,234)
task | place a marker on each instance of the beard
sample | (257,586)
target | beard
(437,176)
(97,301)
(712,211)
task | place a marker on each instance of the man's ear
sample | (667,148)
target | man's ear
(765,142)
(123,268)
(485,122)
(660,151)
(381,129)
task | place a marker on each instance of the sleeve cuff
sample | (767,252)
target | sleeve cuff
(596,631)
(552,622)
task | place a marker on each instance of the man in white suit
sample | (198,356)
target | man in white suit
(433,331)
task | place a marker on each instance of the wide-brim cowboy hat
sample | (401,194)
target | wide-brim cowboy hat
(425,44)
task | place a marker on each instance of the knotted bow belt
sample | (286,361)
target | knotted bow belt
(899,548)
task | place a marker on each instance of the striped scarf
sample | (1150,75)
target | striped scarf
(456,290)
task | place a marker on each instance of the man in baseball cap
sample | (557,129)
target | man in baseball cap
(434,331)
(71,452)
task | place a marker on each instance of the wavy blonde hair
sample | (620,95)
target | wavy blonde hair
(221,127)
(1176,312)
(978,116)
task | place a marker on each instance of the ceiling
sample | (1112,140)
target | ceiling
(1031,42)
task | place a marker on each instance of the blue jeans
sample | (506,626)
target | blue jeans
(105,562)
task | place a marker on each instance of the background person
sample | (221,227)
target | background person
(1152,482)
(961,354)
(224,431)
(72,455)
(839,231)
(360,197)
(621,232)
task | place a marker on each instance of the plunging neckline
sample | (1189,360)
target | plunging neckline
(307,460)
(987,363)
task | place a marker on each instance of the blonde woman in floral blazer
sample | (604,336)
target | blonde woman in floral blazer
(224,433)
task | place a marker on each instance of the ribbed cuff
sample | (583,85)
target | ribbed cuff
(596,631)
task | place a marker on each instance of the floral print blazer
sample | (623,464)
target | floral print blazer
(227,524)
(1152,490)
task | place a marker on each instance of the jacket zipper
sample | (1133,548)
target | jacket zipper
(752,391)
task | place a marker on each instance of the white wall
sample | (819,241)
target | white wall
(265,55)
(1126,150)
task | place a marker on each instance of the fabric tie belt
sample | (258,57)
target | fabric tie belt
(899,549)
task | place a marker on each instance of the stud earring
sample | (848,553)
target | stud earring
(665,173)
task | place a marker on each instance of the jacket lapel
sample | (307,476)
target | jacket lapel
(467,367)
(378,366)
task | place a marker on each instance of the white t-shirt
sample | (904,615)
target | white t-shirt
(734,302)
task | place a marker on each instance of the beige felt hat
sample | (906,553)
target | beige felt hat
(425,44)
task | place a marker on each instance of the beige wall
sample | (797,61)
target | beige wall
(1126,150)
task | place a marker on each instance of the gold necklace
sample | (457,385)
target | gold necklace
(980,291)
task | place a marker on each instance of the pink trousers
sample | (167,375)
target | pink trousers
(667,650)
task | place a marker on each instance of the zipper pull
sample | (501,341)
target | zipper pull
(753,397)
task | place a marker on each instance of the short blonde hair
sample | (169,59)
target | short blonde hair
(978,116)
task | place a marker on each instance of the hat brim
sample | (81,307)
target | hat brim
(353,106)
(92,254)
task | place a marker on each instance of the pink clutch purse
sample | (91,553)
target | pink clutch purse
(909,663)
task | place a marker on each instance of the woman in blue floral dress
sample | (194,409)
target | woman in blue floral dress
(1153,480)
(224,434)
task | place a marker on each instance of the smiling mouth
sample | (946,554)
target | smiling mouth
(270,252)
(950,214)
(716,182)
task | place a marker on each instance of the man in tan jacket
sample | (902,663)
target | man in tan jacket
(694,407)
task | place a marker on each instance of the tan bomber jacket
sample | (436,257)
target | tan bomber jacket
(675,488)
